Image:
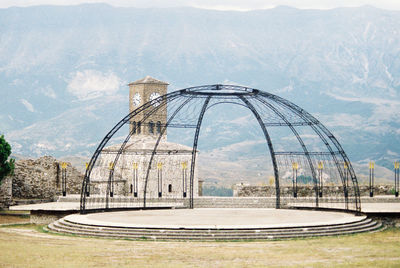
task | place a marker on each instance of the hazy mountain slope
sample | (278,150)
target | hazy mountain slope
(64,70)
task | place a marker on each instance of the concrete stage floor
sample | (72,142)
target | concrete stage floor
(215,218)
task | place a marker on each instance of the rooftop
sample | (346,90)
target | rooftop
(148,80)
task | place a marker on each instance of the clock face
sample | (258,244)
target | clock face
(154,96)
(136,99)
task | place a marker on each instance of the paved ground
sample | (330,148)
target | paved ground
(365,207)
(215,218)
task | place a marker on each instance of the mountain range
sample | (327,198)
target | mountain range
(64,72)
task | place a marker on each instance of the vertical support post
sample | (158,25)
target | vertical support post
(271,150)
(296,182)
(64,178)
(134,184)
(371,178)
(295,166)
(320,180)
(58,174)
(159,170)
(346,179)
(87,186)
(111,167)
(346,183)
(156,146)
(184,179)
(396,178)
(194,150)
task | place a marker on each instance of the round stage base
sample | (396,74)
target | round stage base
(214,224)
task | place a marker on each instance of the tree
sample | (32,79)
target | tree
(6,166)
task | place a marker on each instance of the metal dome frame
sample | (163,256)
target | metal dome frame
(254,100)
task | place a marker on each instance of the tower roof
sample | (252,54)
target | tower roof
(148,80)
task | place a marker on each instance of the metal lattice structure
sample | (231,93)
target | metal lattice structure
(323,159)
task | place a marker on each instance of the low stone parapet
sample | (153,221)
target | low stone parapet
(240,190)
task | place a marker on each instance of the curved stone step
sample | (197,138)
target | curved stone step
(74,226)
(363,220)
(63,226)
(67,225)
(209,238)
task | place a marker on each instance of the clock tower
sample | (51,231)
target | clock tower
(140,92)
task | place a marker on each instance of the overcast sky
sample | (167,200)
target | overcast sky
(240,5)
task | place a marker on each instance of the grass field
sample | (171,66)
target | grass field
(28,246)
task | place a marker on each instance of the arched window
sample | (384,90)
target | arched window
(151,127)
(158,127)
(139,124)
(134,127)
(169,188)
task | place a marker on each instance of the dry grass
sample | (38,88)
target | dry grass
(6,218)
(25,246)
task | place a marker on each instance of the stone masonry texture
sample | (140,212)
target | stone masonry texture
(302,191)
(41,179)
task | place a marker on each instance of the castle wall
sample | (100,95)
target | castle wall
(41,179)
(5,192)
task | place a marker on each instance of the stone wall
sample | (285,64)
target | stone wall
(5,192)
(41,179)
(240,190)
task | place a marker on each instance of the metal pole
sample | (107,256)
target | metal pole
(321,184)
(271,149)
(194,149)
(293,182)
(110,167)
(371,179)
(134,184)
(396,177)
(296,182)
(346,180)
(133,180)
(87,186)
(159,168)
(295,166)
(64,179)
(184,178)
(65,182)
(136,189)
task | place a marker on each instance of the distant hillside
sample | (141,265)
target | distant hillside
(64,70)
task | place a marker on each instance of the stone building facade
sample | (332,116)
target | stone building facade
(169,175)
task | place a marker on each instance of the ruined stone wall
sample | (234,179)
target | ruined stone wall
(268,191)
(41,179)
(5,192)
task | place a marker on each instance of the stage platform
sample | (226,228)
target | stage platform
(214,224)
(208,218)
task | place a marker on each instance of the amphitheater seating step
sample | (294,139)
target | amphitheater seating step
(69,227)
